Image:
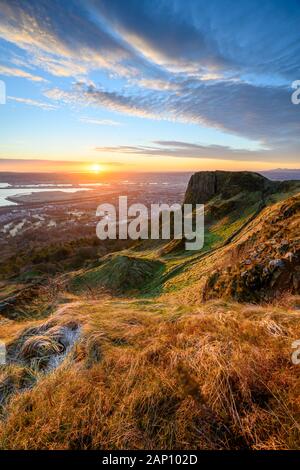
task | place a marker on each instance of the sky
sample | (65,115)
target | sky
(153,85)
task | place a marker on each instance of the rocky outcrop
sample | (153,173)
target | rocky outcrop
(265,264)
(205,185)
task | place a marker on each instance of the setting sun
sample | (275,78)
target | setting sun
(96,168)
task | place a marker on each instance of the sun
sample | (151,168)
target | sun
(96,168)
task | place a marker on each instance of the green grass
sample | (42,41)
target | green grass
(118,273)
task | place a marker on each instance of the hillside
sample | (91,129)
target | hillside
(154,347)
(264,261)
(144,374)
(258,263)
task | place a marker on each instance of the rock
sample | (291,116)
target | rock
(206,184)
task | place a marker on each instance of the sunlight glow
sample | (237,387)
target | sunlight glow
(96,168)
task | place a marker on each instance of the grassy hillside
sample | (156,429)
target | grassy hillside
(158,348)
(117,273)
(150,375)
(260,262)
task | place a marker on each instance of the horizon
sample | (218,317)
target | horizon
(135,88)
(102,173)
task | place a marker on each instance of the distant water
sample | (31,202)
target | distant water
(13,184)
(26,183)
(7,191)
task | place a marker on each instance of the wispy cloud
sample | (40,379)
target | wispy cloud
(156,84)
(83,94)
(263,114)
(61,37)
(100,122)
(177,149)
(74,37)
(227,65)
(30,102)
(15,72)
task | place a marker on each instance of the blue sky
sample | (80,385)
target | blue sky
(151,85)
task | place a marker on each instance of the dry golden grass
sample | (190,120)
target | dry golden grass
(148,375)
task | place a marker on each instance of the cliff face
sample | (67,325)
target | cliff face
(204,185)
(261,262)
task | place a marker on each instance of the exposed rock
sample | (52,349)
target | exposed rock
(206,184)
(269,273)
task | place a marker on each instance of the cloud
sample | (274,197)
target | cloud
(216,35)
(222,64)
(156,84)
(30,102)
(82,94)
(100,122)
(263,114)
(164,33)
(15,72)
(60,37)
(158,37)
(177,149)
